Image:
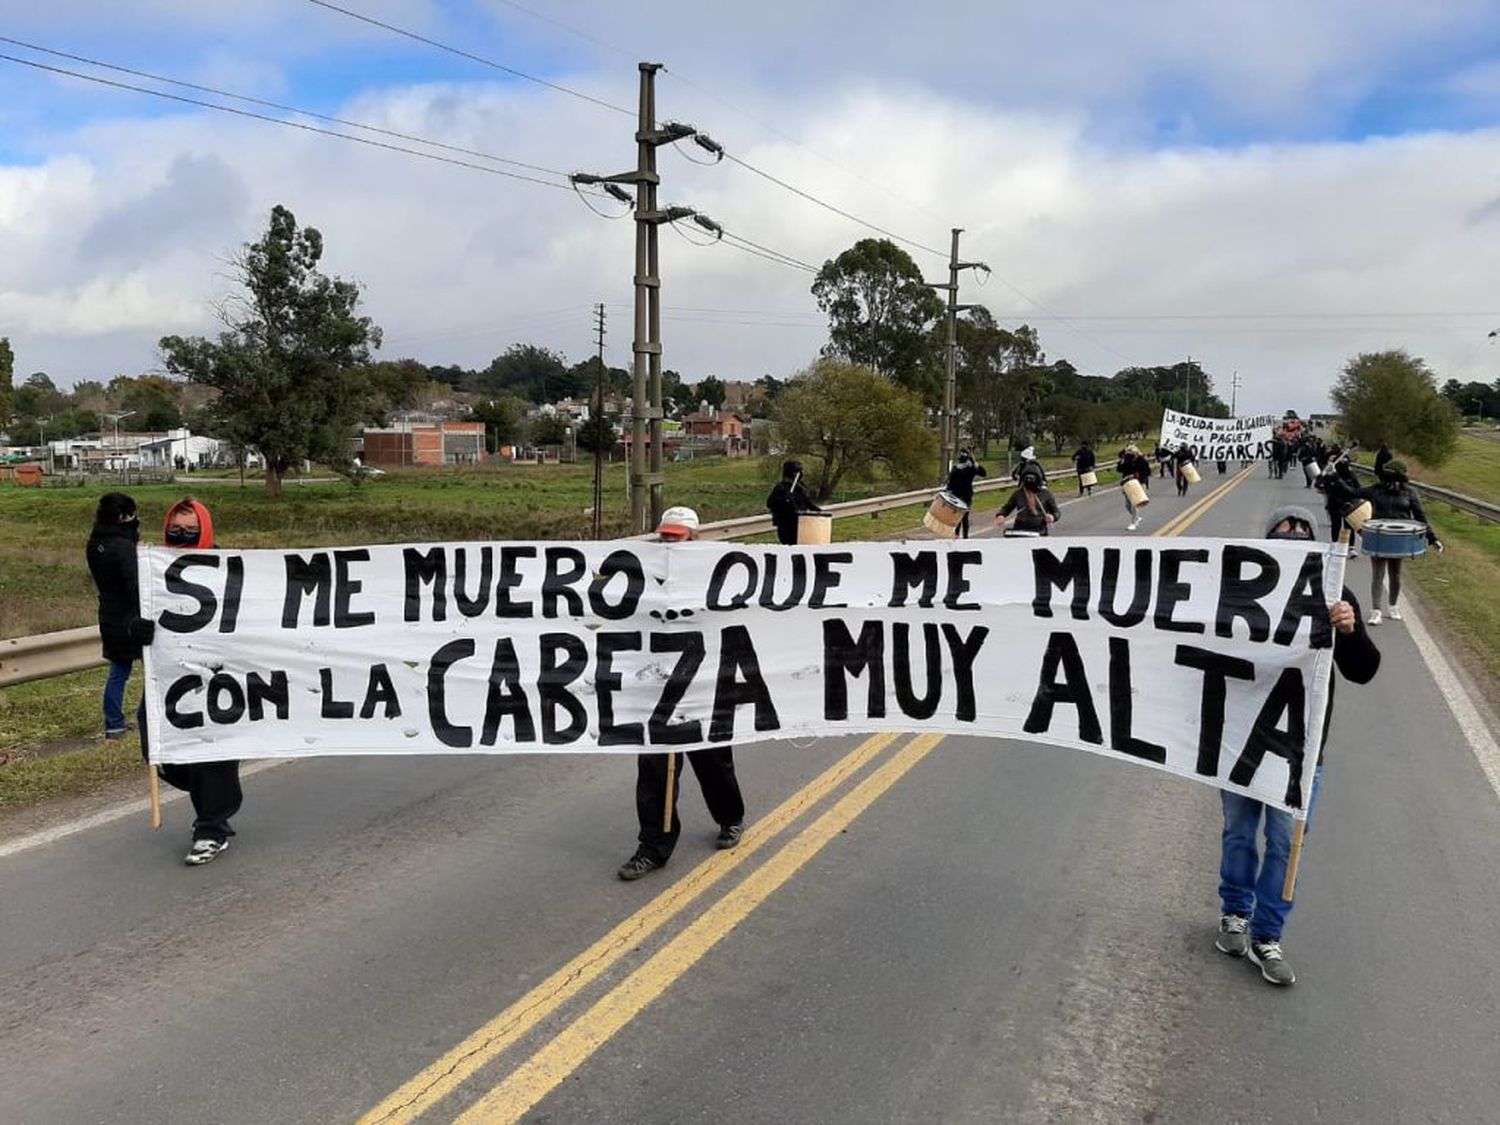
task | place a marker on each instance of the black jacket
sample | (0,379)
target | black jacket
(1085,460)
(111,559)
(784,504)
(961,480)
(1392,501)
(1028,519)
(1133,465)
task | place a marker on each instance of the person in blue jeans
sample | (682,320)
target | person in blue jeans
(1254,914)
(111,558)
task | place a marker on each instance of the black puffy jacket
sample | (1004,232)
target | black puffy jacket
(111,558)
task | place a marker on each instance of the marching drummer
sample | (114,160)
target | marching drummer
(1033,503)
(1084,460)
(787,501)
(961,485)
(1186,455)
(1132,466)
(1393,498)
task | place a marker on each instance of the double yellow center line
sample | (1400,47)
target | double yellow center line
(519,1091)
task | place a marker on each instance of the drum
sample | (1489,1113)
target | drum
(944,514)
(1190,474)
(1136,492)
(1393,539)
(814,528)
(1358,514)
(1088,479)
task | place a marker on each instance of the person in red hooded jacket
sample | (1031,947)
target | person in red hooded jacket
(214,787)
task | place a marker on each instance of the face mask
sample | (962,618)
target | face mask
(1300,535)
(181,537)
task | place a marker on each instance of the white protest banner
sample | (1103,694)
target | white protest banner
(1208,658)
(1220,439)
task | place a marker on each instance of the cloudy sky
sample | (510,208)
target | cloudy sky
(1268,187)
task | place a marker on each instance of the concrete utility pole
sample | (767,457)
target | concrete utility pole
(950,426)
(646,413)
(1234,394)
(1187,385)
(598,521)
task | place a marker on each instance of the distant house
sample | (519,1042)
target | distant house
(193,451)
(717,430)
(441,443)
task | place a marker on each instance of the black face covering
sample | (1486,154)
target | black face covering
(1298,534)
(181,537)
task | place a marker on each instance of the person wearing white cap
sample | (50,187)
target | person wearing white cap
(657,775)
(1028,461)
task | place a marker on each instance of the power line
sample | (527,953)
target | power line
(282,121)
(685,80)
(277,105)
(480,59)
(807,195)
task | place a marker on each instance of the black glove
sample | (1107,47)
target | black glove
(141,630)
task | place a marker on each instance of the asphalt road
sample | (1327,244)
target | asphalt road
(977,931)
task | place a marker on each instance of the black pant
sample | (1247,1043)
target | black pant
(213,787)
(715,770)
(963,527)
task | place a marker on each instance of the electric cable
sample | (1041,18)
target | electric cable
(278,105)
(461,53)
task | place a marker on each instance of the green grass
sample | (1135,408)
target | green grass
(44,583)
(1474,469)
(1462,582)
(37,720)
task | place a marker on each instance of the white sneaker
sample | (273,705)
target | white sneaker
(1394,614)
(205,851)
(1132,525)
(1374,618)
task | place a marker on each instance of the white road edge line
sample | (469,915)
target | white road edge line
(1469,720)
(114,813)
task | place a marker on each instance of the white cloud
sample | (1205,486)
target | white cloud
(1267,259)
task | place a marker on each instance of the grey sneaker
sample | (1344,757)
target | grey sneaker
(1273,966)
(642,863)
(1234,935)
(205,851)
(729,836)
(1394,614)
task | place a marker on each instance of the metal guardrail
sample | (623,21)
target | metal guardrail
(1471,504)
(23,659)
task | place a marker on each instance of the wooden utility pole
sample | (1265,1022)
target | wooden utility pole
(950,417)
(646,411)
(598,520)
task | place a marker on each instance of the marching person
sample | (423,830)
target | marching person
(1307,454)
(214,787)
(961,485)
(1186,455)
(1254,915)
(1083,462)
(1028,460)
(112,565)
(1033,503)
(1393,498)
(787,501)
(1340,488)
(714,768)
(1132,466)
(1383,456)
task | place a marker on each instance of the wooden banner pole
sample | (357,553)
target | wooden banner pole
(155,797)
(1299,828)
(666,815)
